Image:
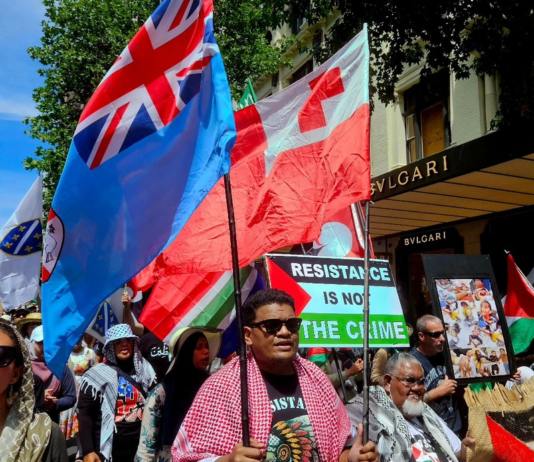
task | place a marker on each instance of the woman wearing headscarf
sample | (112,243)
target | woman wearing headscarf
(59,395)
(193,351)
(112,399)
(24,435)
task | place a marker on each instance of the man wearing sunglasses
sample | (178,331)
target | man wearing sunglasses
(440,390)
(401,424)
(295,413)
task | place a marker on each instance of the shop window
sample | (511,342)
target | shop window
(302,71)
(426,117)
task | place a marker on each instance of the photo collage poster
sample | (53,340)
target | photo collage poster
(473,328)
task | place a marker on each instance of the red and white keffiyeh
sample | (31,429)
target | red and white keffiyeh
(212,426)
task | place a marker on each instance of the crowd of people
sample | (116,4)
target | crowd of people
(134,398)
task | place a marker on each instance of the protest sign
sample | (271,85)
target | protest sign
(328,296)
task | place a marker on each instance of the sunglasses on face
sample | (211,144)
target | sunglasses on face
(7,355)
(437,334)
(410,382)
(273,326)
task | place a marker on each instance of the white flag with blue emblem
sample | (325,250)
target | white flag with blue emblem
(21,246)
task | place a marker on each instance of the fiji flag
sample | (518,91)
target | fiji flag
(150,144)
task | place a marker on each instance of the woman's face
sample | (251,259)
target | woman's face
(39,350)
(201,355)
(123,348)
(8,374)
(486,307)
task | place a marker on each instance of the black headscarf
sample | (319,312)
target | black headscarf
(181,385)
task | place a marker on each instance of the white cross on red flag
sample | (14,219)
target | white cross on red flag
(301,155)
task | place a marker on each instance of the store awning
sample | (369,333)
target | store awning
(494,173)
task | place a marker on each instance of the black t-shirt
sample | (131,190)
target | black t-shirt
(156,353)
(435,371)
(291,431)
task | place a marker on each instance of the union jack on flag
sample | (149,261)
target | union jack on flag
(151,82)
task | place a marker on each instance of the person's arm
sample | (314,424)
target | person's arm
(68,392)
(150,439)
(379,365)
(127,317)
(56,451)
(88,411)
(446,388)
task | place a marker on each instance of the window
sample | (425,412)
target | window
(274,79)
(302,71)
(426,117)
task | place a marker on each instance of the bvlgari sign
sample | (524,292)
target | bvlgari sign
(424,238)
(409,177)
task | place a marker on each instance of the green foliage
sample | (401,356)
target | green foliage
(458,35)
(81,40)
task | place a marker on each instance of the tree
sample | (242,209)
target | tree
(459,35)
(81,40)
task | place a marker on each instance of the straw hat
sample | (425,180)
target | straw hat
(36,318)
(213,336)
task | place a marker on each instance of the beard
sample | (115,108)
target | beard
(413,408)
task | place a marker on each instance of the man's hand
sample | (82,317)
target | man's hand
(516,377)
(356,368)
(446,388)
(240,453)
(91,457)
(360,452)
(467,442)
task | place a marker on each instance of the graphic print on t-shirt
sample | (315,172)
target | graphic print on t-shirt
(130,403)
(292,438)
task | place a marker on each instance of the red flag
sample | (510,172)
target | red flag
(301,155)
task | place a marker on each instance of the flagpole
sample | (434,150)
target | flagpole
(238,313)
(366,329)
(340,375)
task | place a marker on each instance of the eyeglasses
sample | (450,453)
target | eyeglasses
(273,326)
(7,355)
(437,334)
(410,382)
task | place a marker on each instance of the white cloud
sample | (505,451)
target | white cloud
(16,108)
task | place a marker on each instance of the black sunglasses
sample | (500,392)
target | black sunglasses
(7,355)
(437,334)
(273,326)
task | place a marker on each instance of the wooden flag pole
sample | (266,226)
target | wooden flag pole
(239,314)
(366,329)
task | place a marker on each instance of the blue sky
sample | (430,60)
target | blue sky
(20,26)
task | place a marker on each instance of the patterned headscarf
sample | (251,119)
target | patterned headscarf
(26,435)
(217,411)
(102,381)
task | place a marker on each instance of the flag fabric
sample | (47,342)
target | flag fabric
(343,235)
(519,308)
(301,155)
(249,96)
(150,144)
(21,247)
(197,300)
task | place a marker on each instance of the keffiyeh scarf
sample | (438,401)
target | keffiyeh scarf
(102,381)
(26,435)
(388,427)
(213,427)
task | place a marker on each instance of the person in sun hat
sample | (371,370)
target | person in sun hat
(26,325)
(193,350)
(112,399)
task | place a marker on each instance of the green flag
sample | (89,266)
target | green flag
(249,97)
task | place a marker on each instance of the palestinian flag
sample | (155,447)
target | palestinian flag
(196,300)
(319,356)
(519,308)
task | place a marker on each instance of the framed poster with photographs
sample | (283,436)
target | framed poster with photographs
(465,296)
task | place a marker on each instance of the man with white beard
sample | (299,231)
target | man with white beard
(403,427)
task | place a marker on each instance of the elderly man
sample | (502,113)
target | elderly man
(439,388)
(401,424)
(295,413)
